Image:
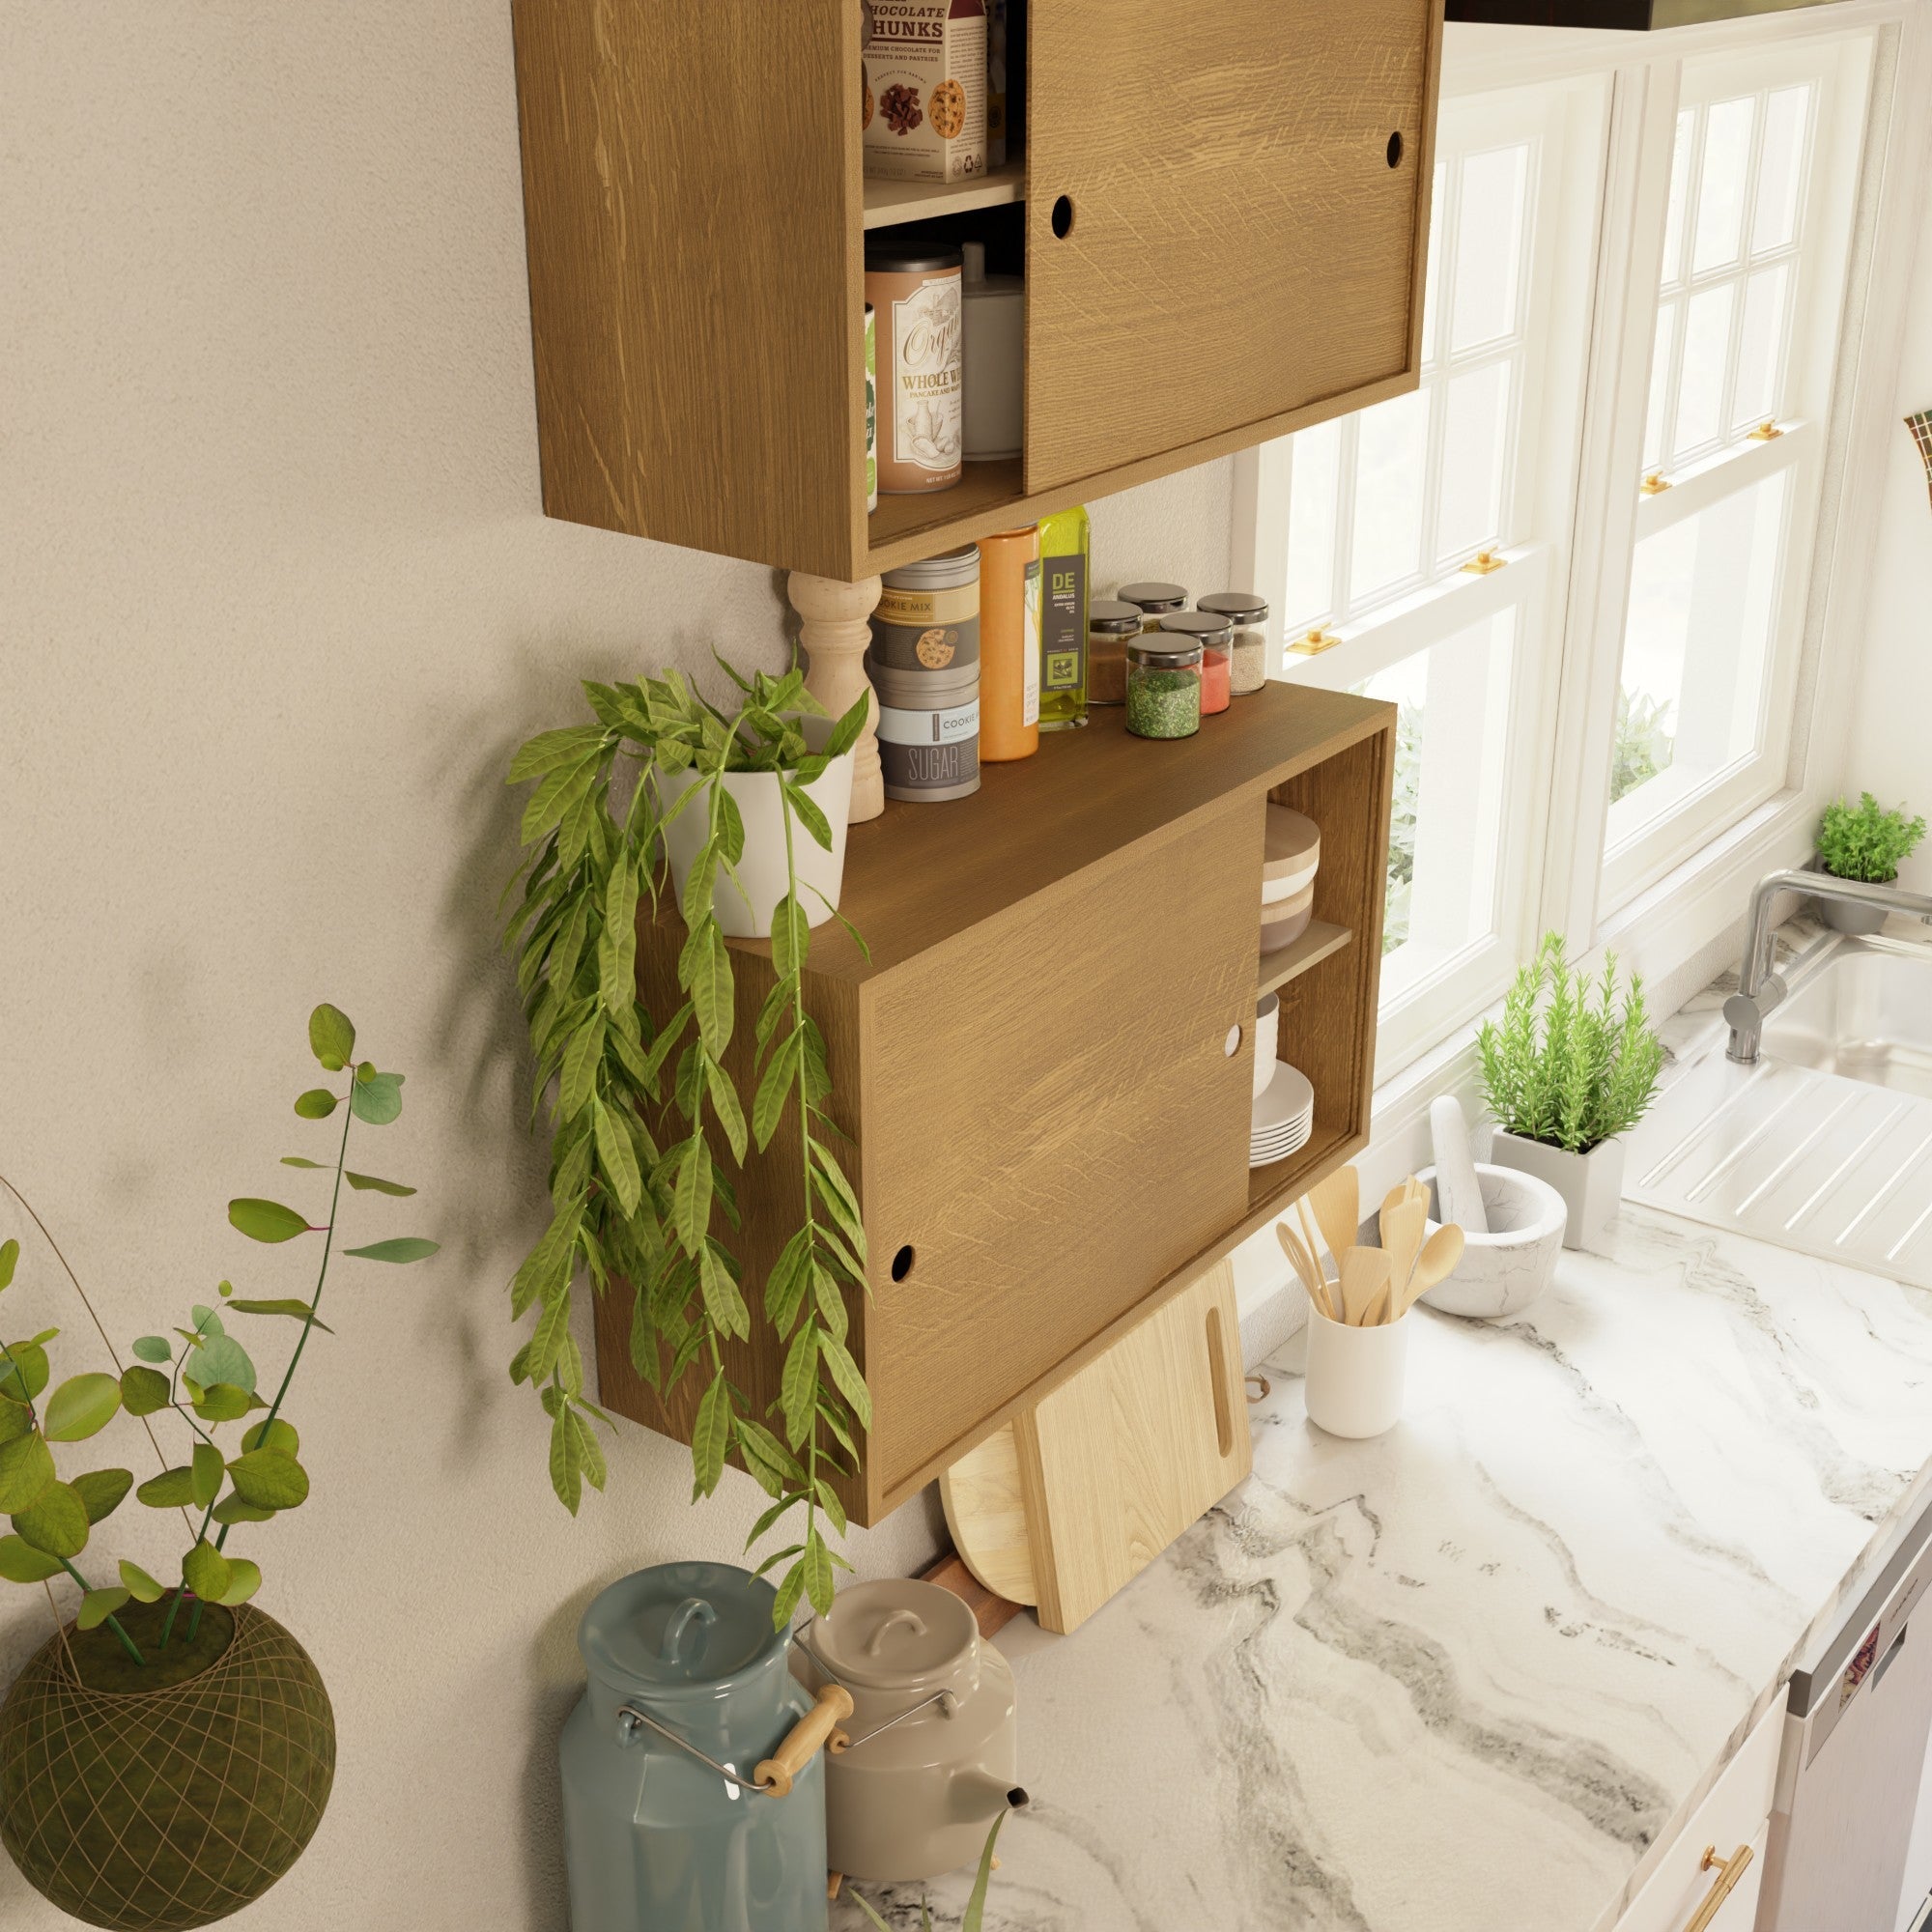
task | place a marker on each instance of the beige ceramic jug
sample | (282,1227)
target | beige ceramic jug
(929,1757)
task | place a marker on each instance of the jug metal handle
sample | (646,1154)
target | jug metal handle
(776,1774)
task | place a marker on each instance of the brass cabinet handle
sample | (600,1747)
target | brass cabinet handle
(1729,1871)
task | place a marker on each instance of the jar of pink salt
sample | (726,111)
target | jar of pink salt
(1215,635)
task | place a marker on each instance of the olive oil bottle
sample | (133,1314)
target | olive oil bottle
(1065,545)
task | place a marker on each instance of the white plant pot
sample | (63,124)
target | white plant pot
(1506,1268)
(1356,1374)
(1591,1185)
(761,871)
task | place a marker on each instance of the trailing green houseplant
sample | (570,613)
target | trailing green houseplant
(1866,840)
(646,1122)
(201,1680)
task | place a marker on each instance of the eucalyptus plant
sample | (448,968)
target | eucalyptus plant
(202,1379)
(1568,1064)
(645,1115)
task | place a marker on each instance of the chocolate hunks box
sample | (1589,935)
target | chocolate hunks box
(926,90)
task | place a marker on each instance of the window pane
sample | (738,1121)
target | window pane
(1475,440)
(1720,192)
(1489,247)
(1313,489)
(1774,225)
(1680,188)
(1452,726)
(1389,463)
(1696,650)
(1759,348)
(1701,391)
(1660,356)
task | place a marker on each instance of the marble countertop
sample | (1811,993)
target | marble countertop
(1470,1674)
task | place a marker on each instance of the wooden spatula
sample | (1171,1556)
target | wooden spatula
(1337,1201)
(1402,1228)
(1436,1262)
(1304,1266)
(1365,1274)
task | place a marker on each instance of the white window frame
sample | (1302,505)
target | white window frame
(1669,918)
(1439,601)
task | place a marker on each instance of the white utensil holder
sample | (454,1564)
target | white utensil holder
(1355,1376)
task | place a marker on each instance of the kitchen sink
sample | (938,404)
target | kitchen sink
(1825,1143)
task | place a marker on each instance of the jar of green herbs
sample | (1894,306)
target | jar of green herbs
(1163,686)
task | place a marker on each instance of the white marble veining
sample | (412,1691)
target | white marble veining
(1465,1677)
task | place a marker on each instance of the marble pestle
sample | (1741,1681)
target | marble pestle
(1459,1195)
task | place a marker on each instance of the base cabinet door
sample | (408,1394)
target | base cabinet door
(1711,1875)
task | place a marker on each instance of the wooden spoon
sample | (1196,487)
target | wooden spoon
(1304,1267)
(1337,1201)
(1365,1275)
(1437,1261)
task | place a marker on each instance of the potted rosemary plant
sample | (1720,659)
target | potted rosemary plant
(1863,842)
(1567,1071)
(667,794)
(166,1757)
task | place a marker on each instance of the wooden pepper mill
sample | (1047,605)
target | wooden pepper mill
(834,630)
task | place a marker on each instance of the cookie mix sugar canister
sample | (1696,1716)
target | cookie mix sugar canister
(929,1756)
(693,1788)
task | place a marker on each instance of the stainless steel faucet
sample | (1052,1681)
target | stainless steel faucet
(1759,988)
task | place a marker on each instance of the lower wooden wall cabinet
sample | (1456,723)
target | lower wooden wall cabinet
(1045,1065)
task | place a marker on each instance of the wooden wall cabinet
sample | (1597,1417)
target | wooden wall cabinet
(1050,1128)
(1243,189)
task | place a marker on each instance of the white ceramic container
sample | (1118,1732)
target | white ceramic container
(1355,1376)
(1591,1185)
(1507,1268)
(1267,1035)
(761,871)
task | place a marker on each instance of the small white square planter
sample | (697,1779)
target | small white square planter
(1591,1185)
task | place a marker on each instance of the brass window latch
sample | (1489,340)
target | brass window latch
(1656,483)
(1315,643)
(1766,431)
(1485,562)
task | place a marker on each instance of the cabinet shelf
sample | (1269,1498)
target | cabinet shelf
(1291,961)
(888,203)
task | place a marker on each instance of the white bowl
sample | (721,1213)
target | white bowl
(1507,1269)
(1267,1035)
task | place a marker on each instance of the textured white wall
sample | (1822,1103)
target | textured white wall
(276,601)
(1889,750)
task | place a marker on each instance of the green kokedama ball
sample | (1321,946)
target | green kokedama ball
(161,1800)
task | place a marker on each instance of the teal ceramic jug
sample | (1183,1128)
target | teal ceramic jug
(693,1795)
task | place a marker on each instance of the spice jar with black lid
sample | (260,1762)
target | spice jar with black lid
(1247,612)
(1111,624)
(1216,638)
(1163,686)
(1154,600)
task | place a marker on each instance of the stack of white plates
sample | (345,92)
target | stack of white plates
(1284,1117)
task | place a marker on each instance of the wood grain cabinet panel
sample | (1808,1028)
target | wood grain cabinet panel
(1239,246)
(1067,1122)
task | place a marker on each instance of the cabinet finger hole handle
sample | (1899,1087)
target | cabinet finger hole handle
(903,1263)
(1062,217)
(1231,1046)
(1395,149)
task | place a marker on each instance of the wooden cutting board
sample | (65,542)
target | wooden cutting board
(1076,1495)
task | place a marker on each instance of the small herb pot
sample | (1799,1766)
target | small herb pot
(1843,916)
(747,914)
(163,1797)
(1355,1376)
(1591,1185)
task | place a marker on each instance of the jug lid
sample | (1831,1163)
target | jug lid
(681,1627)
(897,1634)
